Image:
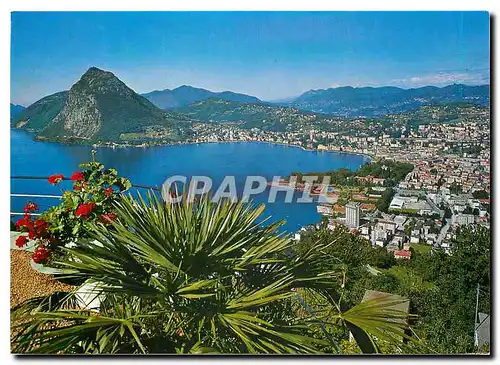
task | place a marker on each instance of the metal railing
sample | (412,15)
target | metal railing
(51,196)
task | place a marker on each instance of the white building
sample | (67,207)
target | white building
(352,214)
(464,219)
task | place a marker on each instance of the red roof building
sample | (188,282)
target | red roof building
(402,254)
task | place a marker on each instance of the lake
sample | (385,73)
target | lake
(152,165)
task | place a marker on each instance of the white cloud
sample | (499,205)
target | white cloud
(444,78)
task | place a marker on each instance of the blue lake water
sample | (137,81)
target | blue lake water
(152,165)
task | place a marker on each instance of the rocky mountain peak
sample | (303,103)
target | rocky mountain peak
(98,81)
(101,107)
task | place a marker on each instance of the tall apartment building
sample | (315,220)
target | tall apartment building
(352,214)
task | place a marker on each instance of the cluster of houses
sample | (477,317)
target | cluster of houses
(414,217)
(469,174)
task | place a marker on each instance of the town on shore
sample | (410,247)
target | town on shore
(447,186)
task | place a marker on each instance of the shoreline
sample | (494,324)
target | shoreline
(365,155)
(122,145)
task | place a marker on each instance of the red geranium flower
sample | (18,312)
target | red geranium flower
(54,179)
(40,255)
(32,234)
(107,218)
(84,210)
(78,176)
(21,241)
(25,221)
(30,207)
(20,223)
(108,191)
(41,227)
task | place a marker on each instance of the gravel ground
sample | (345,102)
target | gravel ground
(26,283)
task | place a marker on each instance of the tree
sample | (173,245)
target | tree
(481,194)
(384,201)
(381,258)
(451,331)
(448,213)
(467,210)
(195,277)
(454,281)
(455,188)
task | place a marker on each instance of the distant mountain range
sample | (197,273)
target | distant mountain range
(375,101)
(350,102)
(99,107)
(186,95)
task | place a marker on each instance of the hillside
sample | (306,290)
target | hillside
(100,107)
(185,95)
(374,101)
(36,116)
(263,116)
(437,113)
(15,110)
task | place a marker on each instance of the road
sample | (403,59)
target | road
(444,230)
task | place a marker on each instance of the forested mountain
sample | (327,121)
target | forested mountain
(185,95)
(372,101)
(263,116)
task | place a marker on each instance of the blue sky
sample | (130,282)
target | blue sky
(269,55)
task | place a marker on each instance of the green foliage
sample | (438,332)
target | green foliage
(448,213)
(455,188)
(385,200)
(392,171)
(343,247)
(481,194)
(435,281)
(351,255)
(66,225)
(441,287)
(95,190)
(387,169)
(422,248)
(341,176)
(381,258)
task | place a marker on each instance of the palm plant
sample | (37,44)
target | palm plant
(192,277)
